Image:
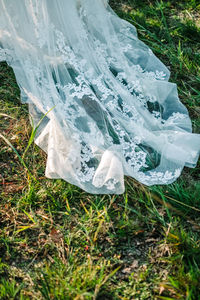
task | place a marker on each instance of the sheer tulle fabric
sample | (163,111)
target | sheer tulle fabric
(110,108)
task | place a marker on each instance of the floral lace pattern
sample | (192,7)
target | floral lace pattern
(110,108)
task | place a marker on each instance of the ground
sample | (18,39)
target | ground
(58,242)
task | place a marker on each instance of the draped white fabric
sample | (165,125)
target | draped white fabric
(111,110)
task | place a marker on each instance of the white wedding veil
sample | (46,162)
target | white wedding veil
(110,108)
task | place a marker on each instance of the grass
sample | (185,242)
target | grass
(58,242)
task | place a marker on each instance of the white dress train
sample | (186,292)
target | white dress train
(110,108)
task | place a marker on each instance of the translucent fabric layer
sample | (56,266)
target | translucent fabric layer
(110,108)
